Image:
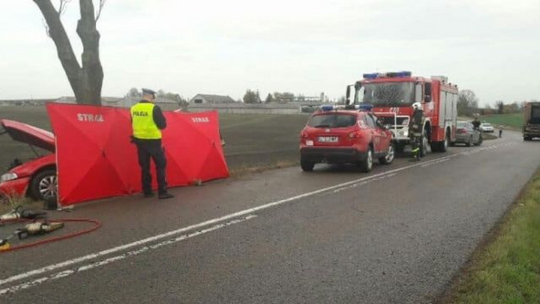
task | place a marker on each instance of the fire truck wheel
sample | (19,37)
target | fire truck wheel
(367,164)
(425,144)
(389,157)
(441,146)
(306,166)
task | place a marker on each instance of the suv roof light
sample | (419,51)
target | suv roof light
(366,107)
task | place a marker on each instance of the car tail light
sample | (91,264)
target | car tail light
(305,134)
(461,131)
(355,134)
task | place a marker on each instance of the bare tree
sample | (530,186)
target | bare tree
(87,80)
(467,103)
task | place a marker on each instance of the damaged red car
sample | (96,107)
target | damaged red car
(35,177)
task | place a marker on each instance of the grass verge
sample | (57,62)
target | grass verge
(512,121)
(8,203)
(507,268)
(489,136)
(240,171)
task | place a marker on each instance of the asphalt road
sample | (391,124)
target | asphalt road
(396,235)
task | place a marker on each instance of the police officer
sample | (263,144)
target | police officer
(476,123)
(148,121)
(415,129)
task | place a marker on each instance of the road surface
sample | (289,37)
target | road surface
(396,235)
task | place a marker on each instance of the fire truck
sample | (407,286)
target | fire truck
(392,95)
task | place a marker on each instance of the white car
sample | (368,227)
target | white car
(486,127)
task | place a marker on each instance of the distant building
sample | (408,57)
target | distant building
(213,99)
(24,102)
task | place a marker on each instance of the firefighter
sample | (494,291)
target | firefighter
(148,121)
(415,130)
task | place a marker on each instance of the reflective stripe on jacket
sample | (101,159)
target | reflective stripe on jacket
(142,118)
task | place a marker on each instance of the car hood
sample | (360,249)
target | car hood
(29,134)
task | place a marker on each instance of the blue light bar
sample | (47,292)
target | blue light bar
(327,108)
(404,74)
(371,76)
(365,107)
(401,74)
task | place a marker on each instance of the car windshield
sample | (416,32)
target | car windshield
(486,125)
(393,94)
(335,120)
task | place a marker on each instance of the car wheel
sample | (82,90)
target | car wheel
(389,157)
(367,164)
(469,143)
(44,186)
(526,138)
(307,166)
(480,140)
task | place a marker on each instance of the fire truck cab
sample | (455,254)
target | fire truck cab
(392,95)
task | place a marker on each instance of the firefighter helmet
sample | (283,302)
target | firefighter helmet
(417,106)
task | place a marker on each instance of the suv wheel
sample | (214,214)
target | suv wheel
(367,164)
(389,157)
(307,166)
(44,186)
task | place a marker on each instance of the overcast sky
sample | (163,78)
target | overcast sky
(306,47)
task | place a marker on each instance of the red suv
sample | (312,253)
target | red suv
(345,135)
(35,177)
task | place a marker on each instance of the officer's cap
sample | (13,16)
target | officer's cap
(148,92)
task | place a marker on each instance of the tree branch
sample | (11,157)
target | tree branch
(100,9)
(58,35)
(62,6)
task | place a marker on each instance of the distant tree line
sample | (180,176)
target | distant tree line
(182,102)
(277,97)
(467,105)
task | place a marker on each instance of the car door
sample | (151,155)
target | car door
(473,133)
(384,135)
(375,133)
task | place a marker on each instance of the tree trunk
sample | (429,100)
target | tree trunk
(86,81)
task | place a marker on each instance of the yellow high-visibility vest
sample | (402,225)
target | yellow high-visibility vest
(144,126)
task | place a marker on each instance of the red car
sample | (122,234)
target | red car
(345,135)
(36,177)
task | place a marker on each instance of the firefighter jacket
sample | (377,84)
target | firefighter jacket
(417,123)
(147,121)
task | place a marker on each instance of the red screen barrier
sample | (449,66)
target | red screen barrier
(96,159)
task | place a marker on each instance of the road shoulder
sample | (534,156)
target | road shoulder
(505,267)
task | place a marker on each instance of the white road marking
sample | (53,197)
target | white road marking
(66,273)
(188,228)
(365,182)
(444,159)
(195,226)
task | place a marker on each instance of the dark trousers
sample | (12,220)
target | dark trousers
(416,144)
(151,149)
